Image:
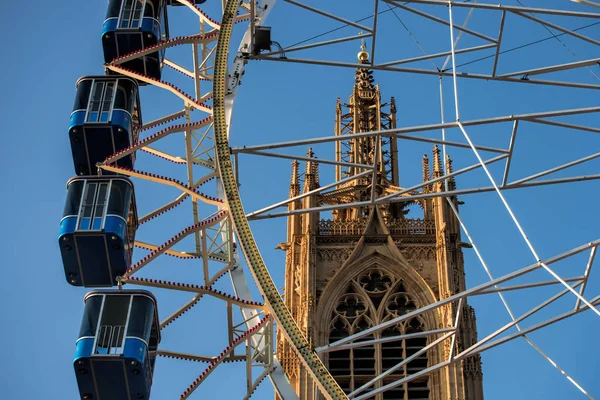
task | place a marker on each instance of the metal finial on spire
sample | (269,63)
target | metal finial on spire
(363,55)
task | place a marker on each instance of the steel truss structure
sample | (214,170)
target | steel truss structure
(220,232)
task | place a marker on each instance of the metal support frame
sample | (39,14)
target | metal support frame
(469,292)
(493,42)
(409,133)
(214,237)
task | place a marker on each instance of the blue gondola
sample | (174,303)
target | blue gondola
(106,118)
(132,25)
(117,343)
(97,231)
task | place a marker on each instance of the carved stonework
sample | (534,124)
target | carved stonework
(333,254)
(332,295)
(472,367)
(424,239)
(418,252)
(298,280)
(413,226)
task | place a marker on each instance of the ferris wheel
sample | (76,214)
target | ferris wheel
(127,224)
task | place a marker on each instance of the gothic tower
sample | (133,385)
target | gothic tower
(368,264)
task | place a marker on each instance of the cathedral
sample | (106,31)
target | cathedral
(367,264)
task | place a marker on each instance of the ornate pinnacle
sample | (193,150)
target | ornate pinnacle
(309,177)
(393,105)
(448,164)
(316,174)
(426,175)
(451,181)
(295,181)
(437,162)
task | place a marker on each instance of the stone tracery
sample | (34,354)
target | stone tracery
(371,298)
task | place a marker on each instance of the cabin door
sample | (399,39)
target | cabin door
(93,205)
(110,337)
(131,14)
(100,102)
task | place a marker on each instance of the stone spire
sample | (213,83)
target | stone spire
(451,181)
(295,181)
(315,172)
(437,162)
(309,174)
(426,174)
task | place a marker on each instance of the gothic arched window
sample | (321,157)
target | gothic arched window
(372,298)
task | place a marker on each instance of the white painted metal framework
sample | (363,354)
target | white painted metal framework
(219,233)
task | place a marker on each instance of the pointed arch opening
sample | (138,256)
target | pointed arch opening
(372,297)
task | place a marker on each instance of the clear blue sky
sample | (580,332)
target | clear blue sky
(49,45)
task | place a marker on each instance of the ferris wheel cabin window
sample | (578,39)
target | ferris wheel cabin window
(100,104)
(131,13)
(125,95)
(149,10)
(89,322)
(120,198)
(73,202)
(82,95)
(88,196)
(92,206)
(114,8)
(372,298)
(111,334)
(140,320)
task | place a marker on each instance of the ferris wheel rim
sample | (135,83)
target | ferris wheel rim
(254,260)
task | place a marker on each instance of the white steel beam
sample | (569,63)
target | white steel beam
(427,127)
(503,7)
(464,354)
(511,147)
(387,339)
(441,21)
(498,44)
(313,45)
(499,289)
(310,193)
(430,56)
(468,292)
(400,364)
(586,275)
(467,75)
(587,3)
(329,15)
